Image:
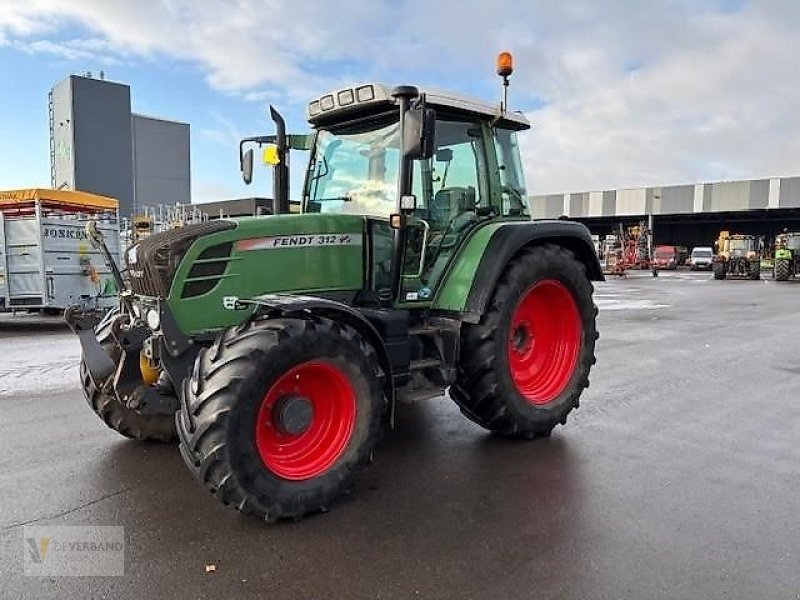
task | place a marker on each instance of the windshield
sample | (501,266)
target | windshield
(355,171)
(793,242)
(701,254)
(664,253)
(741,245)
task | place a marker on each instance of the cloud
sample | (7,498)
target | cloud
(96,50)
(621,93)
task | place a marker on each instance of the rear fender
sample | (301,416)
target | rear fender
(469,285)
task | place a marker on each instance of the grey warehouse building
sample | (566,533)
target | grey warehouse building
(97,145)
(690,214)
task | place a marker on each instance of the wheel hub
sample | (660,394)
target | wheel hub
(522,338)
(293,414)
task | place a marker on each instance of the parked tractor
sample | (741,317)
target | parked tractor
(276,348)
(737,256)
(787,256)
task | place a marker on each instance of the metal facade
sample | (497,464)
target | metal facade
(723,196)
(98,146)
(161,162)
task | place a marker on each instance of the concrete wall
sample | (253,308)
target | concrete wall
(161,162)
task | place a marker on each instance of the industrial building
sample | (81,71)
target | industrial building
(687,215)
(97,145)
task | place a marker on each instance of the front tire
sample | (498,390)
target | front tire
(524,366)
(783,269)
(754,270)
(720,271)
(117,416)
(236,437)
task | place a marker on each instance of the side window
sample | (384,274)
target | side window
(512,178)
(450,188)
(456,174)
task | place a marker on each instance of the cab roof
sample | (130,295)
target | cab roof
(361,100)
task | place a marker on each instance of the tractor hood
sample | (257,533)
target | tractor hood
(304,254)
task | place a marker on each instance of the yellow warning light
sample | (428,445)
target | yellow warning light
(271,155)
(505,64)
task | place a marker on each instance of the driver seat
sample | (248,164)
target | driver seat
(449,203)
(453,210)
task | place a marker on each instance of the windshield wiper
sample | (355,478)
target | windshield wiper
(340,198)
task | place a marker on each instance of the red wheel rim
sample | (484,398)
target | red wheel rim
(544,341)
(310,453)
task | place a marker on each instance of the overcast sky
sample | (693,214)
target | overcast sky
(621,93)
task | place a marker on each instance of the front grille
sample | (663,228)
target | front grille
(207,270)
(158,256)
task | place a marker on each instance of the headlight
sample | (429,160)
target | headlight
(153,319)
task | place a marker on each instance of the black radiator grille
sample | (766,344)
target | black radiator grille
(207,271)
(158,256)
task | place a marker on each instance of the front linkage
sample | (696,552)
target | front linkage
(125,368)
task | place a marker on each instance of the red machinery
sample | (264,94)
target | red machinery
(628,248)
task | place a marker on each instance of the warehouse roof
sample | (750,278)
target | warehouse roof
(67,197)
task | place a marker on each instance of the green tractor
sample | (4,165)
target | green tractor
(787,256)
(276,348)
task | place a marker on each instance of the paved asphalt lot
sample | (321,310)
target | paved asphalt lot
(677,478)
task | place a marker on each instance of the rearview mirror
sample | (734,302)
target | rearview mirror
(444,155)
(419,133)
(247,166)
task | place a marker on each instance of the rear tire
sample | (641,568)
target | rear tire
(754,270)
(524,366)
(131,424)
(232,440)
(720,271)
(783,270)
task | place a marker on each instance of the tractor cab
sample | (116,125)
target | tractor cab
(742,245)
(465,171)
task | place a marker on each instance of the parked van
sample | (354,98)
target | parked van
(702,258)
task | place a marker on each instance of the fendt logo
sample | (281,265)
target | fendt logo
(308,240)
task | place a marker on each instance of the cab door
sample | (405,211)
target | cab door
(452,198)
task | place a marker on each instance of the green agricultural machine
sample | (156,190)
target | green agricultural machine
(276,348)
(787,256)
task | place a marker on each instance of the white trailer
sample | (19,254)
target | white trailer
(46,259)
